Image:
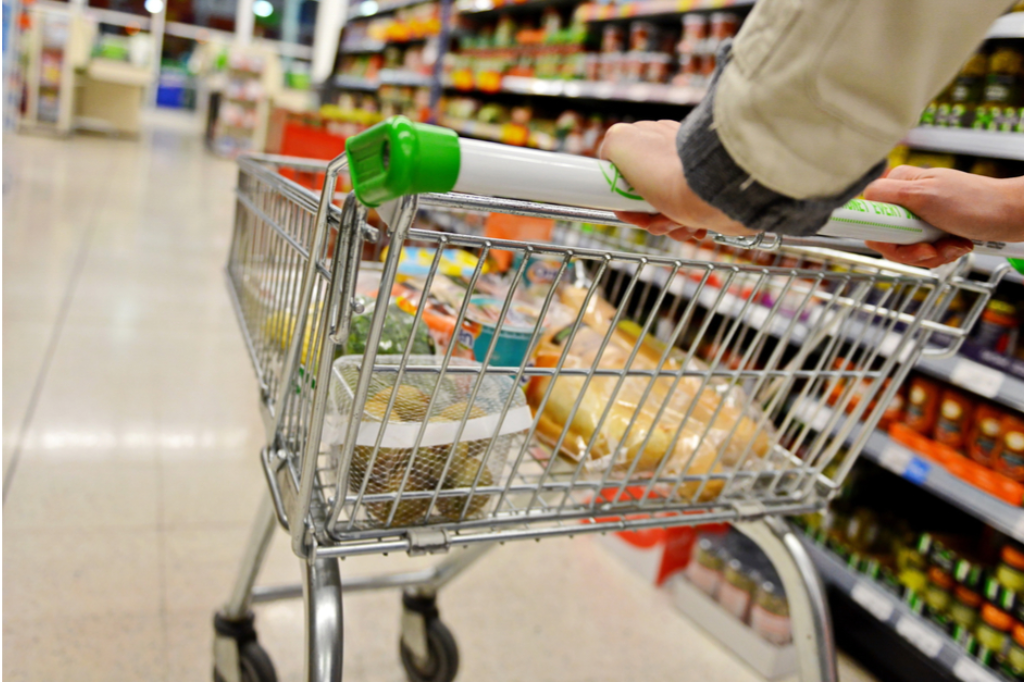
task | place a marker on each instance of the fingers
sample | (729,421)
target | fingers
(945,250)
(908,173)
(682,234)
(655,223)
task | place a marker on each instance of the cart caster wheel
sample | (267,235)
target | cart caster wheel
(236,646)
(427,647)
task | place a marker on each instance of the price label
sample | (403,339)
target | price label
(1018,527)
(976,377)
(917,470)
(920,636)
(896,458)
(969,671)
(872,602)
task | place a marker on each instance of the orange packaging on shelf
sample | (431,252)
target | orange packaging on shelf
(985,479)
(922,405)
(894,410)
(1010,460)
(986,437)
(953,424)
(904,435)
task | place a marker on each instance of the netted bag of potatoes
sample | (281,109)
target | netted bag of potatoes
(463,438)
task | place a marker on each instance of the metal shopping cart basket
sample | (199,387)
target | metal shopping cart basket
(639,383)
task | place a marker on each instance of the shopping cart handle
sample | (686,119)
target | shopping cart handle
(398,157)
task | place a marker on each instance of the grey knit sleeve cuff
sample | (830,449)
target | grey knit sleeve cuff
(717,179)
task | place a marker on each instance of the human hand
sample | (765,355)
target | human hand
(962,204)
(645,154)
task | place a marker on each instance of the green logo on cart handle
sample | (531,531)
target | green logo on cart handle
(613,183)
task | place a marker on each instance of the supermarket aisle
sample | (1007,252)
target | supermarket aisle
(129,457)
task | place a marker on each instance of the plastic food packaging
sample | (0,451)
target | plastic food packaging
(619,425)
(986,436)
(769,615)
(459,446)
(922,405)
(954,419)
(394,335)
(1010,460)
(736,593)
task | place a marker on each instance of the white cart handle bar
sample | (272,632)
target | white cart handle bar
(397,157)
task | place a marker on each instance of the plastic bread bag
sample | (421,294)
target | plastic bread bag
(452,456)
(617,422)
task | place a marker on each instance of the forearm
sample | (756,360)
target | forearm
(818,91)
(813,96)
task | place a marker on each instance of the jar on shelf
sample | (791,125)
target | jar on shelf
(964,612)
(707,567)
(769,616)
(993,635)
(736,592)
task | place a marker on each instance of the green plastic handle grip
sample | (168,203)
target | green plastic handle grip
(398,157)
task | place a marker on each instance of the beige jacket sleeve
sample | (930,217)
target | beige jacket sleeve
(818,91)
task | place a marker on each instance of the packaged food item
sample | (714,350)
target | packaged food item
(769,616)
(958,108)
(736,592)
(992,635)
(986,436)
(706,569)
(514,333)
(963,612)
(416,262)
(613,39)
(462,447)
(954,419)
(1010,460)
(894,410)
(394,335)
(644,36)
(1003,85)
(631,424)
(1010,571)
(1015,656)
(998,328)
(939,592)
(922,405)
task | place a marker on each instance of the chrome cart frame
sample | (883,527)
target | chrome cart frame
(292,273)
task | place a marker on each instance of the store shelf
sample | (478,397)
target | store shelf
(483,7)
(659,93)
(974,142)
(892,612)
(919,470)
(356,83)
(987,264)
(405,78)
(494,132)
(977,378)
(1008,26)
(363,47)
(649,8)
(369,8)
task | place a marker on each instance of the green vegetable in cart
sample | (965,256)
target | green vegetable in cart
(394,335)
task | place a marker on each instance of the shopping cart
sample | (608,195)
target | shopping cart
(657,384)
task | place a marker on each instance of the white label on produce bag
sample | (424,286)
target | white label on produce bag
(404,434)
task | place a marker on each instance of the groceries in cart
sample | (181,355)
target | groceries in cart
(420,432)
(424,433)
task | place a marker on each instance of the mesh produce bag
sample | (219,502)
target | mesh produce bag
(460,445)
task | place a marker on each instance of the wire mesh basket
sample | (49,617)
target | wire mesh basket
(607,380)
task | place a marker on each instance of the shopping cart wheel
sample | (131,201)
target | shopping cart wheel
(252,661)
(427,647)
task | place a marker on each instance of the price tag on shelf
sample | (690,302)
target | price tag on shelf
(872,602)
(977,377)
(895,458)
(919,635)
(757,316)
(917,470)
(1018,527)
(967,670)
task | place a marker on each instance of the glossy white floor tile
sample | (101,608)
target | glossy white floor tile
(130,443)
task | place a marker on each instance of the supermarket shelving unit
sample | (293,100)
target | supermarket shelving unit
(893,614)
(964,141)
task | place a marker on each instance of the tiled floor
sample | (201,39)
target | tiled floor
(130,440)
